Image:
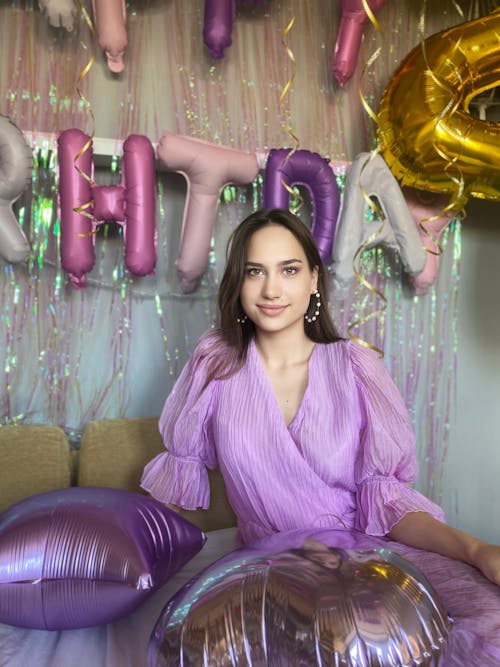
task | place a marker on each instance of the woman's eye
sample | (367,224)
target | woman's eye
(290,270)
(254,271)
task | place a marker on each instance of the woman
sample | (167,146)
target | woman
(307,429)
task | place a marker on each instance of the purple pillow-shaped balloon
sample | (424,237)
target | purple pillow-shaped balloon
(86,556)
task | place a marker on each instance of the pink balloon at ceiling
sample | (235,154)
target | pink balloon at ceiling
(110,18)
(353,18)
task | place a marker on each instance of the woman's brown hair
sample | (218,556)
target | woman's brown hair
(236,335)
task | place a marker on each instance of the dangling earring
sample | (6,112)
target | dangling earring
(316,310)
(242,320)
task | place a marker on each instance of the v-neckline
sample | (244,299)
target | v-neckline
(270,390)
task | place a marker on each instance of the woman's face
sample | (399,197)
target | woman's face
(277,283)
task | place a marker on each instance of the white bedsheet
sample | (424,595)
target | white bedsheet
(120,644)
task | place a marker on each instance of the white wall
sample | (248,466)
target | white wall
(472,475)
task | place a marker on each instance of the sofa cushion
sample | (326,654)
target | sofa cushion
(114,452)
(33,459)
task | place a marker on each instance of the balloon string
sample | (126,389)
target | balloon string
(293,193)
(83,209)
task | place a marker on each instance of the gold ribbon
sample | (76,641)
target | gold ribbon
(361,279)
(293,193)
(457,200)
(83,209)
(376,210)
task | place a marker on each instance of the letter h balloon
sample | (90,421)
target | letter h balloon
(84,205)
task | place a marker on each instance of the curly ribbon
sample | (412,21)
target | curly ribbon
(370,60)
(372,205)
(83,209)
(457,201)
(293,193)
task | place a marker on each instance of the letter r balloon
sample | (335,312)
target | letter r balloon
(132,204)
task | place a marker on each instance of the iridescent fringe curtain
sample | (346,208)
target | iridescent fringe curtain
(115,348)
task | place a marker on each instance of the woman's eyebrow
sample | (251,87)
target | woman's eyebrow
(285,262)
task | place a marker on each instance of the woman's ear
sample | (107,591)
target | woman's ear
(314,279)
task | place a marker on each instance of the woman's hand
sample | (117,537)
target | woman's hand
(487,559)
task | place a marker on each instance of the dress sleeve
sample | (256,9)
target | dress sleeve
(179,475)
(386,465)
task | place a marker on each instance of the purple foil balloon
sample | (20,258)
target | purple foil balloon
(86,556)
(218,25)
(313,171)
(323,597)
(131,204)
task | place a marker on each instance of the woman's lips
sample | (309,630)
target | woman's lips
(272,311)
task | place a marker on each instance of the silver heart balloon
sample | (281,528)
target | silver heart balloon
(313,604)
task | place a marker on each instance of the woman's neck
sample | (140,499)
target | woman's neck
(283,348)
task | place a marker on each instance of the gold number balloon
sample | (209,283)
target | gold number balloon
(426,134)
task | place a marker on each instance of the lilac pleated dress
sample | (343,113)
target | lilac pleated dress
(346,461)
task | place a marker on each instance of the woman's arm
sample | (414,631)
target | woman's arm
(421,530)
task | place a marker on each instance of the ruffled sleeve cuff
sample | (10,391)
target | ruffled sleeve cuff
(177,480)
(383,502)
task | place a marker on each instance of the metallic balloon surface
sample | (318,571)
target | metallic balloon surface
(86,556)
(16,164)
(302,167)
(338,598)
(426,134)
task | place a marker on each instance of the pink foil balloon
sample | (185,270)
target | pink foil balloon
(352,22)
(207,168)
(313,171)
(132,204)
(110,18)
(86,556)
(422,206)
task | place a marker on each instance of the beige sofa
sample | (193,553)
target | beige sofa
(113,453)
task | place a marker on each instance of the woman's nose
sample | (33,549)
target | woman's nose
(271,288)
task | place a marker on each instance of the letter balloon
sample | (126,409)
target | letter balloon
(369,176)
(16,164)
(314,172)
(84,205)
(431,213)
(207,168)
(352,22)
(218,25)
(60,13)
(426,133)
(110,18)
